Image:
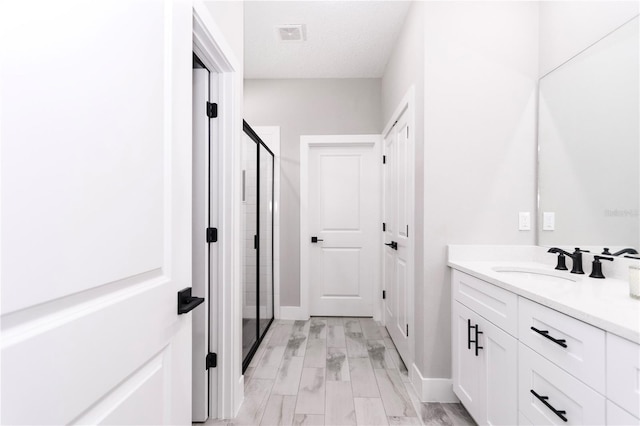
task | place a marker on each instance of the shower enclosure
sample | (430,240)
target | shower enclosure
(257,248)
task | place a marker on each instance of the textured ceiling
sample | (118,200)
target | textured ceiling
(344,39)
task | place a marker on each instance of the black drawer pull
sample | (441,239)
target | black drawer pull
(545,333)
(543,399)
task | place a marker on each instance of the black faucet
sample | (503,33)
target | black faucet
(562,260)
(596,269)
(576,256)
(618,253)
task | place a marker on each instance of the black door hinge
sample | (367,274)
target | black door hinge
(212,235)
(384,294)
(384,227)
(212,110)
(384,159)
(212,360)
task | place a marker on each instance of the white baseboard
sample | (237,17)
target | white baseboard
(432,390)
(239,399)
(292,313)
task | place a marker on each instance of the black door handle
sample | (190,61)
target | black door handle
(392,244)
(315,239)
(186,302)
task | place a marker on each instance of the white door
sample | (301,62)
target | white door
(96,212)
(205,254)
(396,170)
(343,190)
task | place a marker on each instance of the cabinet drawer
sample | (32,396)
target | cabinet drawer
(619,417)
(623,373)
(584,354)
(493,303)
(581,404)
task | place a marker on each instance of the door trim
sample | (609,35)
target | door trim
(407,106)
(210,45)
(306,142)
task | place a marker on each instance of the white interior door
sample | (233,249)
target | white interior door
(96,212)
(200,247)
(397,250)
(343,214)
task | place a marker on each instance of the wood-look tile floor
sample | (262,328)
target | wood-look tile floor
(334,371)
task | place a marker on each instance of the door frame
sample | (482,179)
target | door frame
(210,45)
(406,106)
(306,142)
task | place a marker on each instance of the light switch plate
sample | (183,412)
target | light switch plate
(548,221)
(524,221)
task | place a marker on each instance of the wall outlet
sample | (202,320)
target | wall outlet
(548,221)
(524,221)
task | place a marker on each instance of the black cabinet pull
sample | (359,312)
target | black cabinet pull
(392,244)
(478,347)
(545,333)
(543,399)
(469,341)
(315,239)
(186,302)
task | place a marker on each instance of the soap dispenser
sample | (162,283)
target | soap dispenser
(596,270)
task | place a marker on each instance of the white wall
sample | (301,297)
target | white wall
(481,69)
(306,107)
(568,27)
(229,16)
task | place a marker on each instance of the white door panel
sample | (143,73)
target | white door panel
(95,210)
(199,246)
(343,202)
(397,175)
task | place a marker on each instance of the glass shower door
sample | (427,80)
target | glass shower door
(249,259)
(265,248)
(257,247)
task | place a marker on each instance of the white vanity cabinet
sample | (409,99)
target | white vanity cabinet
(516,361)
(484,356)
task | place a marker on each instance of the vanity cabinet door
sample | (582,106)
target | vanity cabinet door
(623,373)
(466,366)
(499,370)
(484,378)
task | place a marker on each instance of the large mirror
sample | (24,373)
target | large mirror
(589,147)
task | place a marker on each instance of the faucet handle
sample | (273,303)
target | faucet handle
(579,250)
(562,259)
(596,270)
(606,251)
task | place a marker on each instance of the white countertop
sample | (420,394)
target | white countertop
(604,303)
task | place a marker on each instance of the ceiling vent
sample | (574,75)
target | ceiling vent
(290,32)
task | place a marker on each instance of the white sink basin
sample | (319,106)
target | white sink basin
(532,274)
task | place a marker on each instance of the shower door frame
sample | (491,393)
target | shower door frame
(260,336)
